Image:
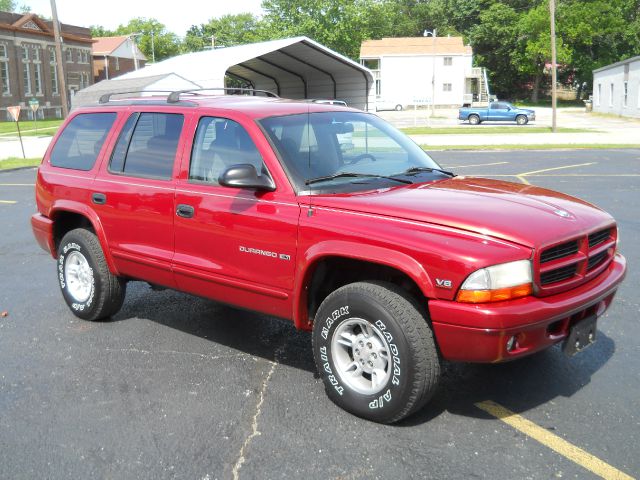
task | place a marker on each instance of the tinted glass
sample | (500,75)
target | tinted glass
(120,150)
(324,144)
(219,144)
(81,141)
(151,148)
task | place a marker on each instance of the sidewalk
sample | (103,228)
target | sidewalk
(34,147)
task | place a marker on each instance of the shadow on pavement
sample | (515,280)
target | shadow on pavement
(519,385)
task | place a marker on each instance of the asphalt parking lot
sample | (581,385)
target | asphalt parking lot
(180,387)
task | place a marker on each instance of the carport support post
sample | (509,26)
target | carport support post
(552,11)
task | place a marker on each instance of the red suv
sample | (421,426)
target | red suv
(329,217)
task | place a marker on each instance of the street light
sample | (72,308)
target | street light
(434,34)
(133,48)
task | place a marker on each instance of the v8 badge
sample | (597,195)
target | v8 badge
(443,283)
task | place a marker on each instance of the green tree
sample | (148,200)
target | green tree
(100,31)
(8,6)
(226,31)
(165,44)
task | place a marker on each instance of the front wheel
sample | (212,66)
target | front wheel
(522,120)
(91,291)
(398,108)
(375,351)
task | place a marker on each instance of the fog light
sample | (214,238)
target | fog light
(511,343)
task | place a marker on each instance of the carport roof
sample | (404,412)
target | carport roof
(296,62)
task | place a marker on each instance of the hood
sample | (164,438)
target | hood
(524,214)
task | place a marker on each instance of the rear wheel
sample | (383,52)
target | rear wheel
(398,108)
(88,287)
(375,351)
(474,119)
(522,120)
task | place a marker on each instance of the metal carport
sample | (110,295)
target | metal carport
(292,68)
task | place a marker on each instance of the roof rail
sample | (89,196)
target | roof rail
(105,98)
(175,96)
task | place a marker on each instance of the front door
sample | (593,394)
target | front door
(233,245)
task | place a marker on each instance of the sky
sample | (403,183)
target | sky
(177,16)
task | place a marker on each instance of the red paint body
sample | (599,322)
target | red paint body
(428,231)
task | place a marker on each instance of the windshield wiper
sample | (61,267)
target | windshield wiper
(414,170)
(354,175)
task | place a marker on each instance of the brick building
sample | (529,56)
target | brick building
(115,56)
(28,63)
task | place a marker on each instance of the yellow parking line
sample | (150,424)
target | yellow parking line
(8,202)
(554,442)
(555,168)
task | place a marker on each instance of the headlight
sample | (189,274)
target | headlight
(497,283)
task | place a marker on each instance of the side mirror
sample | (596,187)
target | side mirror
(244,175)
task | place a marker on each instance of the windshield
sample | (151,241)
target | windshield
(346,151)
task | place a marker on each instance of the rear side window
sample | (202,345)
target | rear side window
(147,145)
(81,141)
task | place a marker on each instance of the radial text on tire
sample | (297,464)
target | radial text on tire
(375,351)
(91,291)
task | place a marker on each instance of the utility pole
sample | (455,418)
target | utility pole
(59,63)
(552,11)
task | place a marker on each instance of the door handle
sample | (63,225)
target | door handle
(99,198)
(185,211)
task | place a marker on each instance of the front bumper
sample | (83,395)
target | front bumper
(479,332)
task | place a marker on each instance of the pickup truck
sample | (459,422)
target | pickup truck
(394,264)
(497,112)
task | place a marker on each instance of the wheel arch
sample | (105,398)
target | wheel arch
(318,276)
(67,215)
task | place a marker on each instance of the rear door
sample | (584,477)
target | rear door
(134,194)
(231,244)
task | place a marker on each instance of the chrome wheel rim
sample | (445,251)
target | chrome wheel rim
(78,275)
(361,356)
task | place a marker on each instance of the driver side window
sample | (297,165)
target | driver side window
(219,144)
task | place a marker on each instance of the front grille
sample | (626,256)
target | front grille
(559,251)
(558,274)
(599,237)
(596,259)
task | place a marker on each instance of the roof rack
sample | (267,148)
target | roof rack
(107,96)
(175,96)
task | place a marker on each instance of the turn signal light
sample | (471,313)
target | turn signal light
(499,295)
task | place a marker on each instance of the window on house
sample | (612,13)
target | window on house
(626,93)
(69,55)
(117,63)
(4,71)
(371,63)
(446,87)
(81,141)
(598,94)
(220,143)
(147,145)
(38,78)
(611,94)
(378,87)
(448,61)
(26,74)
(36,54)
(52,56)
(25,54)
(54,79)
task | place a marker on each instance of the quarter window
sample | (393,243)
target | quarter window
(219,144)
(147,145)
(81,141)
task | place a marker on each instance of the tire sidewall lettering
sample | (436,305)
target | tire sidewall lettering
(76,306)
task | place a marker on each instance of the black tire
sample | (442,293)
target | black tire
(398,108)
(474,119)
(105,292)
(522,120)
(413,364)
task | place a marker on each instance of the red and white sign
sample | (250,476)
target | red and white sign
(15,112)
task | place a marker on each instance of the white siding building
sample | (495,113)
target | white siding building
(419,70)
(616,88)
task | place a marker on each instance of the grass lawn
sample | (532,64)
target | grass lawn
(475,130)
(548,146)
(27,128)
(546,102)
(14,162)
